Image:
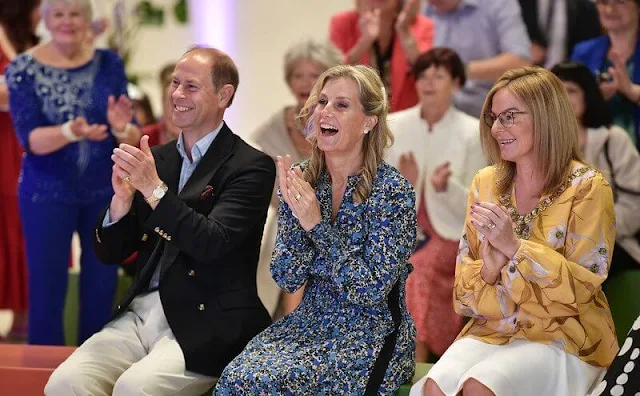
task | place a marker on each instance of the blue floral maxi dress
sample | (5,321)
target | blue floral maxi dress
(352,333)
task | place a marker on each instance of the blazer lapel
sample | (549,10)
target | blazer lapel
(217,154)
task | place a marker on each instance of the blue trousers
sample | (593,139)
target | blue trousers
(48,227)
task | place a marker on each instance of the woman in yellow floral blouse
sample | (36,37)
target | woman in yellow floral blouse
(537,243)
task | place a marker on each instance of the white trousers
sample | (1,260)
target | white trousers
(521,368)
(136,354)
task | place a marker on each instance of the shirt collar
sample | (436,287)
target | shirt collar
(430,10)
(443,123)
(200,148)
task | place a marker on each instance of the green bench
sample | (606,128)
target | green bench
(622,294)
(421,370)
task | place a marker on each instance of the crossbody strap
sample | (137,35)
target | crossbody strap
(616,186)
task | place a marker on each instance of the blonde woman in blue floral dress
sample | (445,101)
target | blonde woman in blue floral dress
(346,227)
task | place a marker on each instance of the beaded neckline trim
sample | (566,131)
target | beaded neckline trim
(522,223)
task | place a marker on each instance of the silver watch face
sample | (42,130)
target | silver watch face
(158,192)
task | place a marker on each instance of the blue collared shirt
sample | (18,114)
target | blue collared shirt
(198,151)
(479,30)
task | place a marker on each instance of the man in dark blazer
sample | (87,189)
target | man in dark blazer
(194,209)
(578,20)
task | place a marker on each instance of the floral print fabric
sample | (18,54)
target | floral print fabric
(550,291)
(330,343)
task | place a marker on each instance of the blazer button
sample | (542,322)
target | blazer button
(118,307)
(192,273)
(594,268)
(168,237)
(144,237)
(512,268)
(201,307)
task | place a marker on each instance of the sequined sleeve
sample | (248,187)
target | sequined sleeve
(366,272)
(545,282)
(24,104)
(473,296)
(293,253)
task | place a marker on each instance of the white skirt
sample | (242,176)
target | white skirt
(520,368)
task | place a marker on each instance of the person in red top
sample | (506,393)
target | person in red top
(387,35)
(18,21)
(163,131)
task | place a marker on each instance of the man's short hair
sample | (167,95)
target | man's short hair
(223,69)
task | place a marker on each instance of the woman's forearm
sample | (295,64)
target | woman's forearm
(46,140)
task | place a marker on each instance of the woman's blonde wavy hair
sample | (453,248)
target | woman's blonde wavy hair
(373,99)
(555,129)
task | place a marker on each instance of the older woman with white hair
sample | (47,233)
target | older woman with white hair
(69,109)
(284,134)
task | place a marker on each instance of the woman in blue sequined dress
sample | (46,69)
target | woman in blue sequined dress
(346,227)
(69,111)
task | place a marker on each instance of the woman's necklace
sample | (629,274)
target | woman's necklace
(522,223)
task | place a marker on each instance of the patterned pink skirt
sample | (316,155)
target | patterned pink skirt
(430,288)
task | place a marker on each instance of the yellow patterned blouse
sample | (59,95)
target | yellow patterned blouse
(550,292)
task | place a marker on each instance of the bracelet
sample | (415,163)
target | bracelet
(126,132)
(68,133)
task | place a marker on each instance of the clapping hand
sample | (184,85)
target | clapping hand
(119,112)
(440,177)
(408,166)
(94,132)
(121,186)
(494,260)
(493,221)
(403,22)
(620,80)
(136,166)
(370,25)
(298,194)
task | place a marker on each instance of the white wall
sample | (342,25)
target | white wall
(256,34)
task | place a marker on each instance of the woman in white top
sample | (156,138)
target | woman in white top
(282,134)
(609,148)
(437,148)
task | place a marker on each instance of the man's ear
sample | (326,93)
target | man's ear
(226,93)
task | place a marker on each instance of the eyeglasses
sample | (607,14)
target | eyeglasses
(506,118)
(611,2)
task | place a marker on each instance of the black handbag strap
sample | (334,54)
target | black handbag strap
(616,186)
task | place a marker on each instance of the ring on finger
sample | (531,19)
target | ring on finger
(491,226)
(126,179)
(298,196)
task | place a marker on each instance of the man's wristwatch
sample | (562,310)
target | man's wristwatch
(157,193)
